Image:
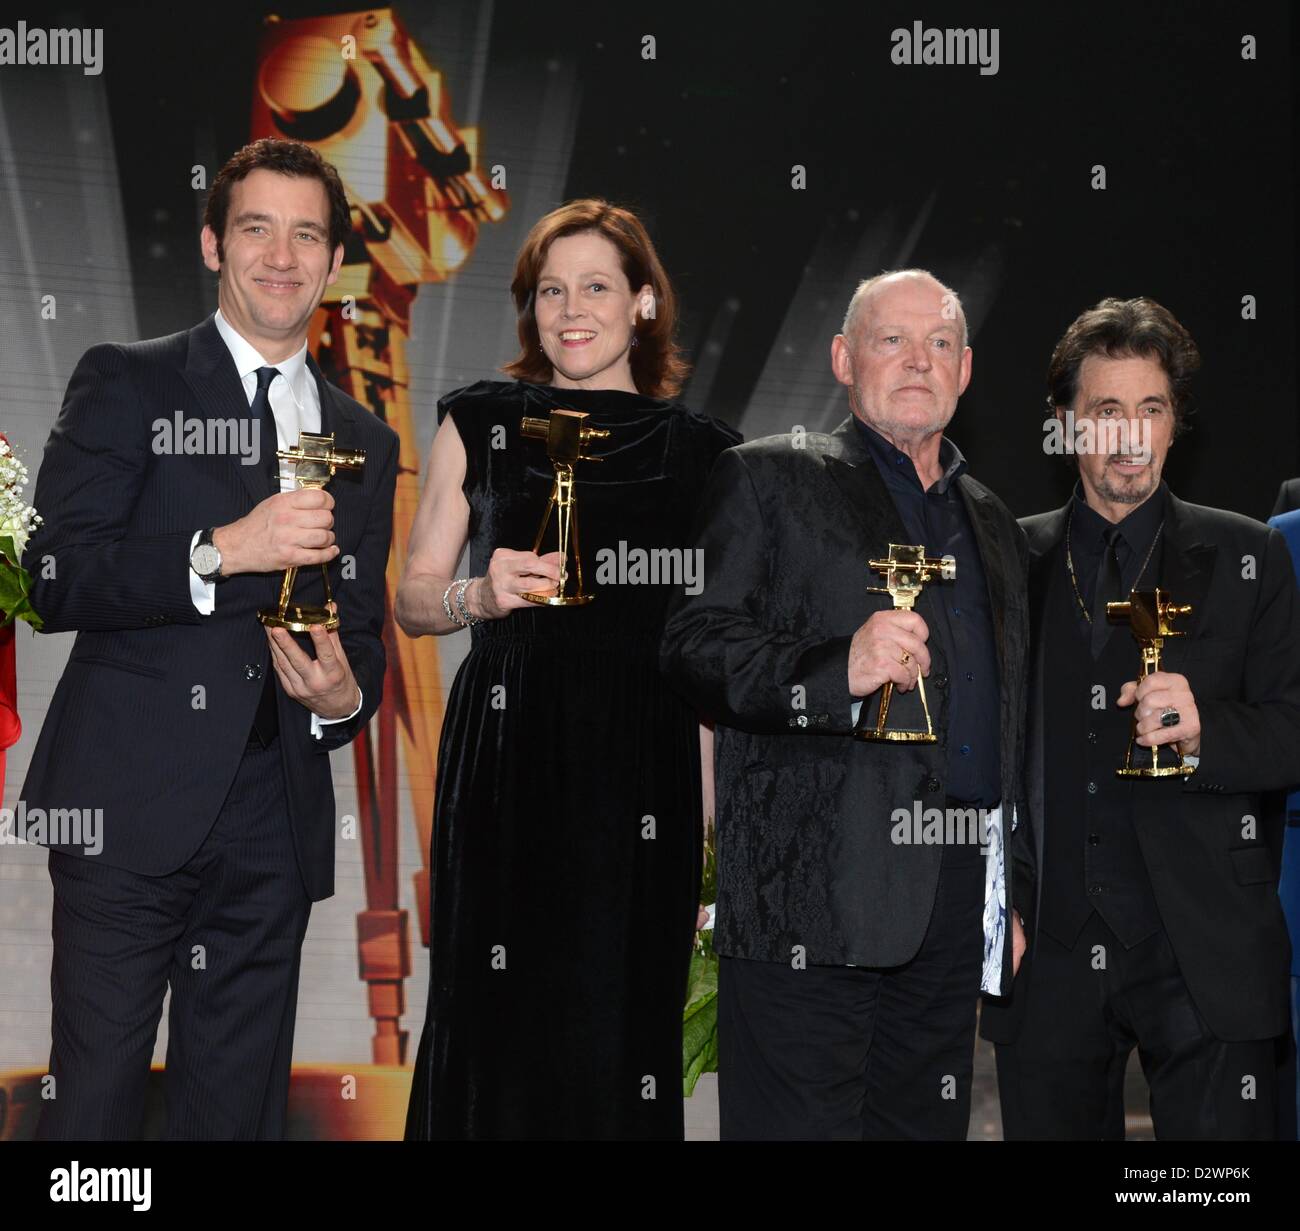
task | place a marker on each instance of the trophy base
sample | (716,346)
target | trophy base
(558,600)
(897,737)
(300,619)
(1162,771)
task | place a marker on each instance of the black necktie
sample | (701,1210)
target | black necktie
(261,412)
(266,721)
(1106,589)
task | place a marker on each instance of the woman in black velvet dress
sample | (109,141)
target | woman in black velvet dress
(567,828)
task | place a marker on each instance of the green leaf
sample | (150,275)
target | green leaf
(700,1020)
(699,1045)
(15,586)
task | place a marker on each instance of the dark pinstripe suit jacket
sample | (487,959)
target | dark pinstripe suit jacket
(154,709)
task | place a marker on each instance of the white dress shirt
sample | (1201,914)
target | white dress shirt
(295,403)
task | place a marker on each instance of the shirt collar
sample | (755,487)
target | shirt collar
(1138,527)
(894,461)
(248,359)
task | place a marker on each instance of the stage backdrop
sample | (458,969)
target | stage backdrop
(778,155)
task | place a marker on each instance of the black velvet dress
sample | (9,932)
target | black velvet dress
(567,827)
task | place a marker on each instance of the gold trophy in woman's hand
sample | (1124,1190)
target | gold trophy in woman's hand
(566,436)
(316,461)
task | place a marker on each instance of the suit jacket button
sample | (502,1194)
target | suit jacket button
(252,671)
(941,681)
(932,784)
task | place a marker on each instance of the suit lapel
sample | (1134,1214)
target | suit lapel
(1186,564)
(993,556)
(1043,542)
(214,381)
(849,464)
(337,415)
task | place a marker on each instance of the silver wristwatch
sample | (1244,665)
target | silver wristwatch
(205,559)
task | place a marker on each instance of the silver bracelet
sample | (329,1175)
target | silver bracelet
(446,606)
(469,620)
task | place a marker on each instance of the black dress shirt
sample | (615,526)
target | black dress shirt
(937,519)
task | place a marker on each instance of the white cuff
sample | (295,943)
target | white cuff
(317,721)
(202,593)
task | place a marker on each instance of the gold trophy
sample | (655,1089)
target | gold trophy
(316,461)
(1150,616)
(566,436)
(906,572)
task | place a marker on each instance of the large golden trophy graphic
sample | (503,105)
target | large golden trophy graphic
(906,572)
(1150,616)
(316,459)
(566,436)
(357,88)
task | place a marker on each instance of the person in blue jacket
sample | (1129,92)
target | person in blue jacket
(1289,887)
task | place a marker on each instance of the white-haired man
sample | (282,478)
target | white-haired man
(854,944)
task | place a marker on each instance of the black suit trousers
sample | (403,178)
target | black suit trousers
(854,1052)
(225,931)
(1088,1007)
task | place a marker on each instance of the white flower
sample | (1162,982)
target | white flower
(17,520)
(16,529)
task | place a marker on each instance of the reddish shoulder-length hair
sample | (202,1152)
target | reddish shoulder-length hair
(658,368)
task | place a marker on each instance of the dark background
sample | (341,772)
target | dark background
(1198,146)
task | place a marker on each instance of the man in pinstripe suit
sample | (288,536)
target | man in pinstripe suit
(202,736)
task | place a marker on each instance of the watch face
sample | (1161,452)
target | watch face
(206,559)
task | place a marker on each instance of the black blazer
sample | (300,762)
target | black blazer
(1216,889)
(155,706)
(804,810)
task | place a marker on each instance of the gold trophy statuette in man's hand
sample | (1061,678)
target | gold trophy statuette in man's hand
(1165,712)
(889,649)
(316,460)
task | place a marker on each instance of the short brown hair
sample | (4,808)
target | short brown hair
(658,368)
(288,158)
(1119,329)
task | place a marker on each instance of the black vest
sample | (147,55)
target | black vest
(1092,858)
